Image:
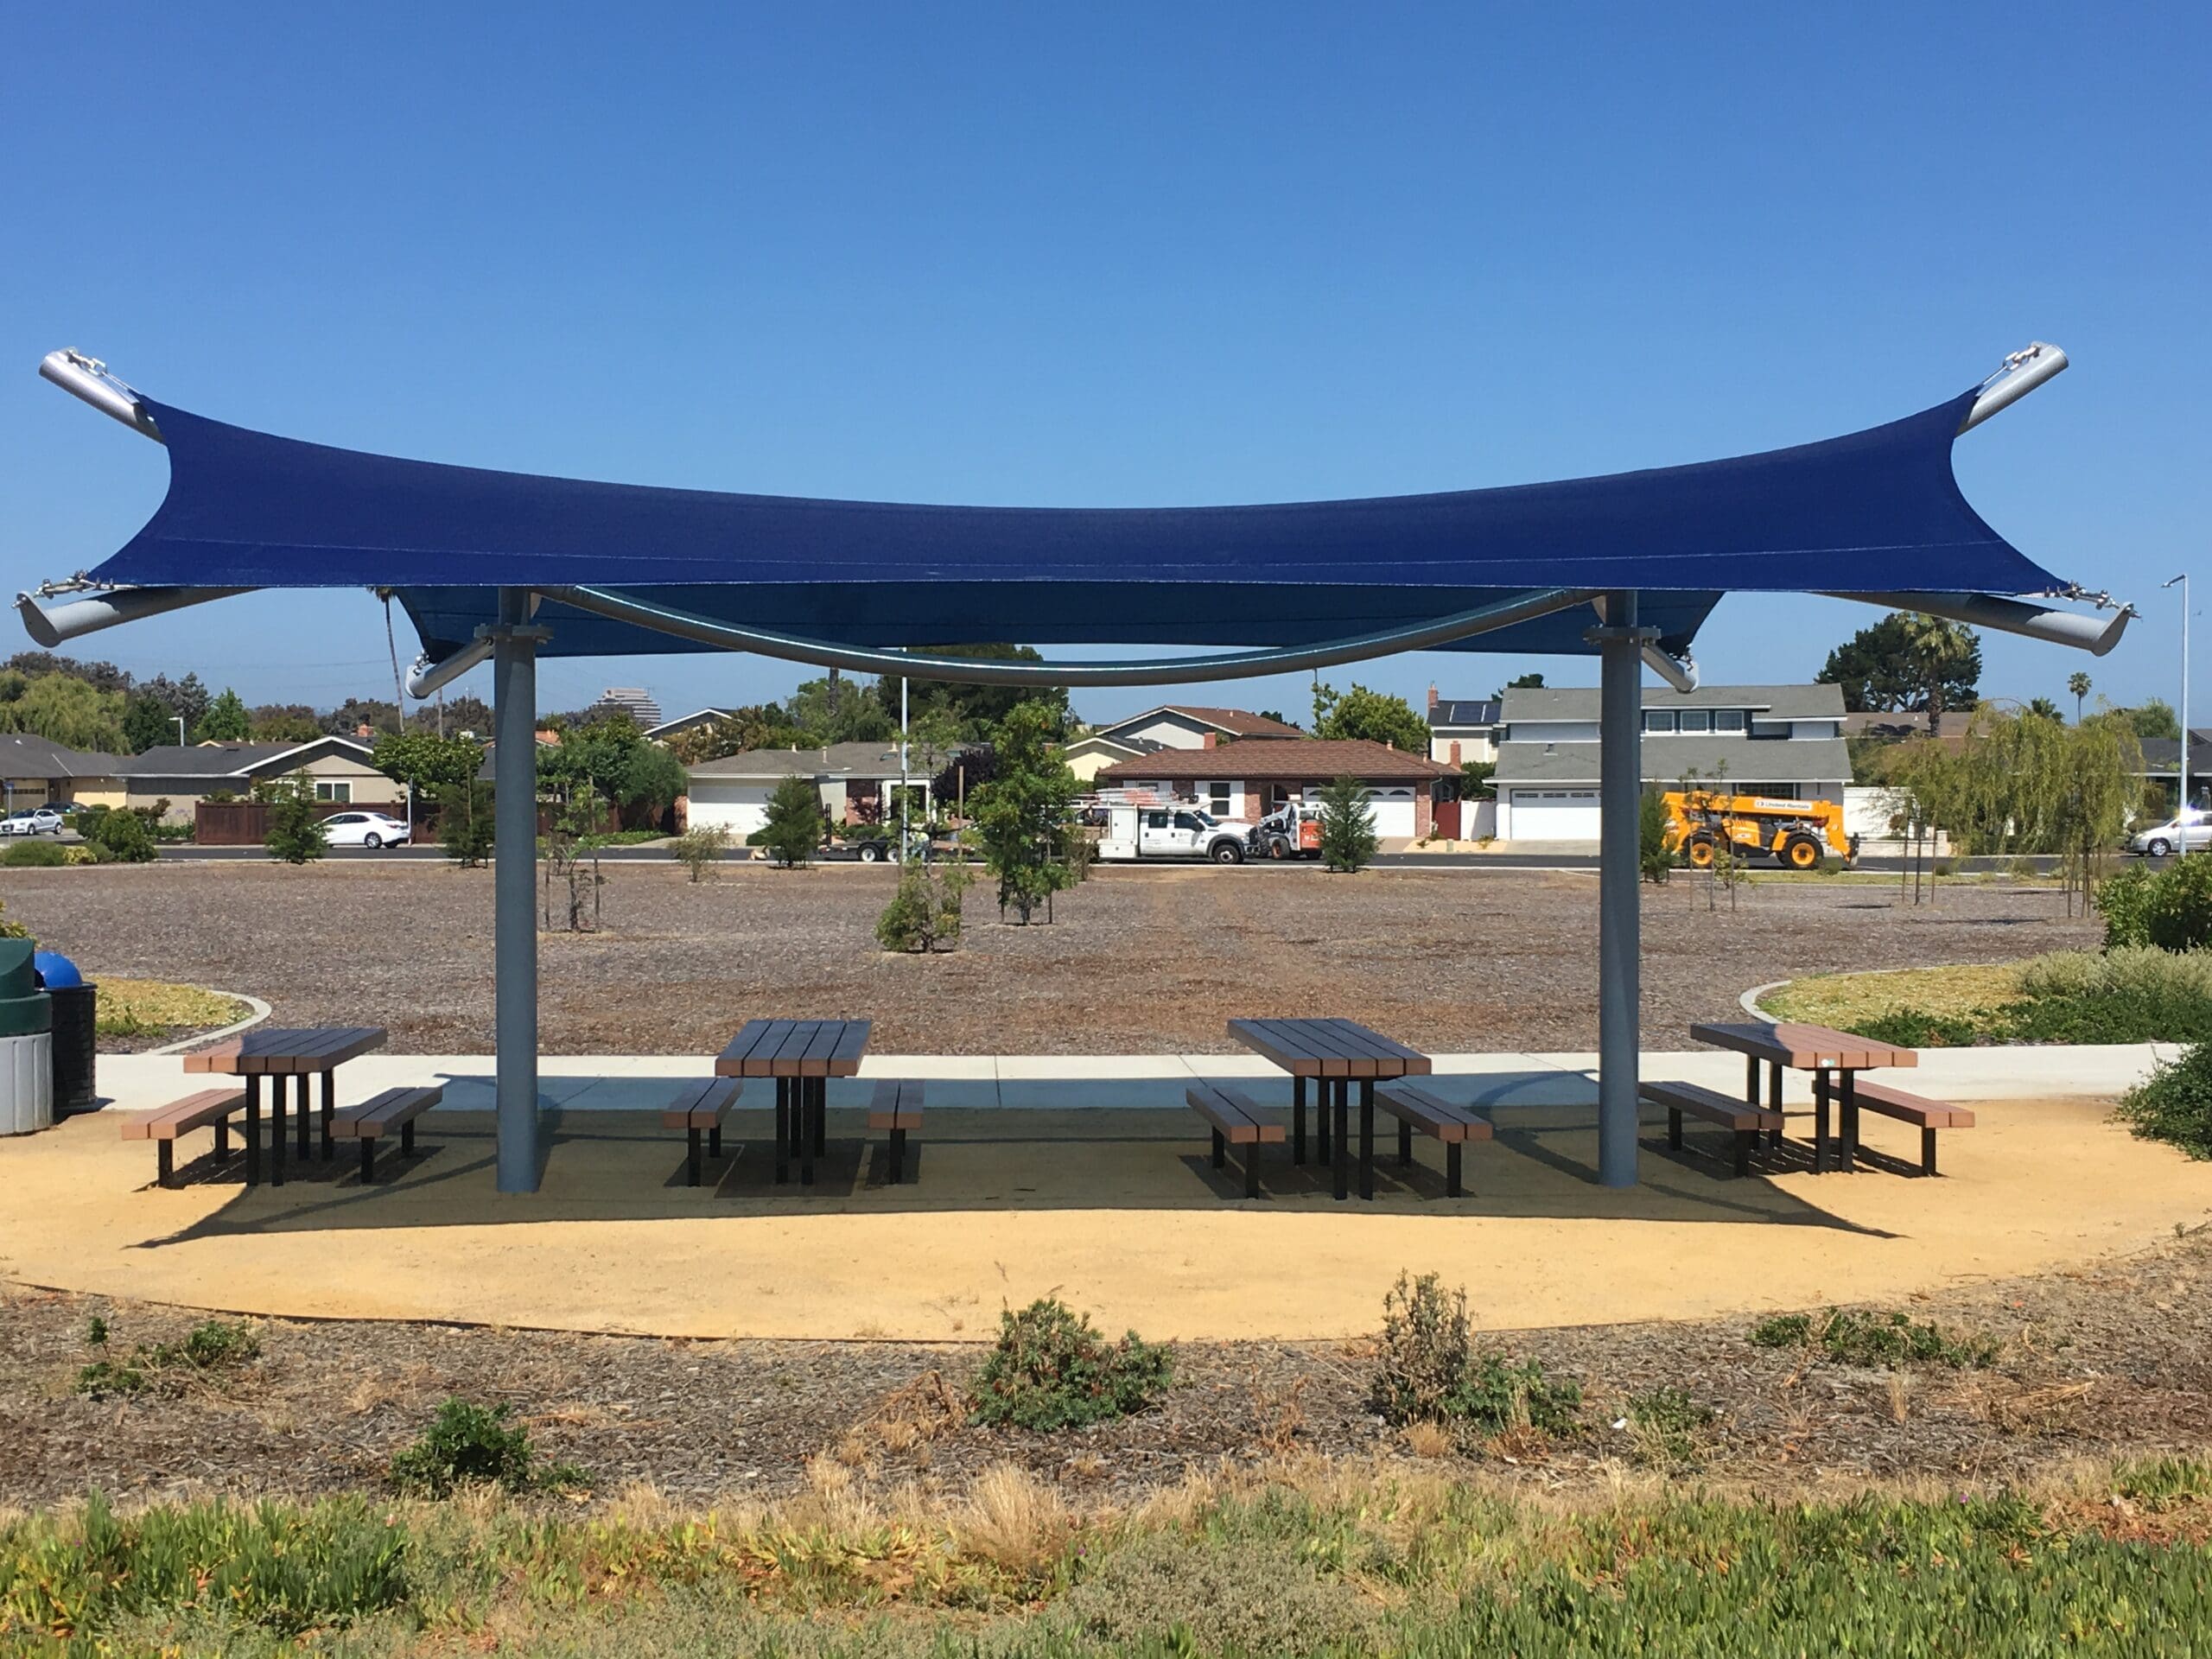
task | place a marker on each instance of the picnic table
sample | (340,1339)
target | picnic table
(1834,1059)
(1335,1054)
(285,1054)
(801,1055)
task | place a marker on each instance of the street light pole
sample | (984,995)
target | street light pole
(180,731)
(2181,817)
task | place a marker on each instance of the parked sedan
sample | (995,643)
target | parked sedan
(32,821)
(370,830)
(2191,831)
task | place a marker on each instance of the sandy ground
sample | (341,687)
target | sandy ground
(1118,1211)
(1139,962)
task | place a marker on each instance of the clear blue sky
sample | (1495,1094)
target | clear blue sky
(1115,255)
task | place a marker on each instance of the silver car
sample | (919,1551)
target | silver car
(32,821)
(2160,839)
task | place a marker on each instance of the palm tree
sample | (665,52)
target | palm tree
(2078,684)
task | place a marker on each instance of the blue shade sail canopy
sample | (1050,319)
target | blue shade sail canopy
(1875,511)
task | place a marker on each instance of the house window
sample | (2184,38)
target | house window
(1215,796)
(1658,720)
(341,791)
(1769,729)
(1728,719)
(1697,720)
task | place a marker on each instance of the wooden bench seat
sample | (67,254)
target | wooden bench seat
(374,1119)
(1929,1115)
(897,1110)
(1746,1122)
(698,1109)
(1452,1126)
(1238,1121)
(164,1125)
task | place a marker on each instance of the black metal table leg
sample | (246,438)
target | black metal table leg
(783,1130)
(306,1130)
(279,1129)
(1220,1148)
(806,1087)
(329,1107)
(1367,1137)
(1298,1119)
(1325,1096)
(1341,1132)
(820,1116)
(1774,1100)
(1453,1187)
(252,1131)
(1848,1121)
(1820,1121)
(1252,1169)
(692,1163)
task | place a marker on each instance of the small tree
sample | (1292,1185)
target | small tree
(923,914)
(1652,856)
(126,837)
(697,847)
(1348,838)
(466,822)
(569,862)
(795,825)
(1021,817)
(295,833)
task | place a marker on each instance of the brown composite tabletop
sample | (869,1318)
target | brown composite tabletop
(795,1048)
(1803,1047)
(286,1051)
(1329,1048)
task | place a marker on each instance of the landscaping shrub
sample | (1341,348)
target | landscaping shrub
(795,825)
(127,836)
(465,826)
(2174,1104)
(295,833)
(1051,1368)
(1430,1371)
(2171,910)
(1670,1426)
(164,1366)
(34,856)
(697,848)
(1875,1340)
(1653,858)
(1172,1595)
(924,912)
(1912,1028)
(470,1445)
(1348,837)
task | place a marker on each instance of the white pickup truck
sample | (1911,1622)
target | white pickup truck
(1141,832)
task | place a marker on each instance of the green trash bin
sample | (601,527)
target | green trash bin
(26,1042)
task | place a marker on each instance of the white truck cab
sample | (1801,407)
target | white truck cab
(1140,832)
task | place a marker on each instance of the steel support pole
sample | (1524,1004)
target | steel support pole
(1619,919)
(514,880)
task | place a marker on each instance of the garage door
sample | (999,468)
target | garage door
(1554,814)
(738,808)
(1393,813)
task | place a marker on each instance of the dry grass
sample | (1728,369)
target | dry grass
(1013,1521)
(143,1006)
(1840,999)
(1430,1440)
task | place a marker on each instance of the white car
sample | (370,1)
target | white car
(32,821)
(370,830)
(2161,839)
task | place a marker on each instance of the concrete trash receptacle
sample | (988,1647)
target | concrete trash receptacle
(26,1042)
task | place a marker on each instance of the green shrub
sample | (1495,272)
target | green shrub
(1653,857)
(468,1445)
(1670,1426)
(697,848)
(212,1345)
(1875,1340)
(2171,910)
(1050,1369)
(1167,1594)
(923,914)
(1430,1371)
(2174,1104)
(27,854)
(466,822)
(2161,1483)
(795,825)
(1916,1028)
(1348,837)
(295,832)
(127,836)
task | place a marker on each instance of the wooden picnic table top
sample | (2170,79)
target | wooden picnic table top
(1329,1048)
(795,1048)
(283,1051)
(1803,1047)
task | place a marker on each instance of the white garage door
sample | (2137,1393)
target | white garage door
(1554,814)
(738,808)
(1393,813)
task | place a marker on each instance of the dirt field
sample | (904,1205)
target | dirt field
(1138,961)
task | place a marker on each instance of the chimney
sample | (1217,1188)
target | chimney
(1213,738)
(1432,697)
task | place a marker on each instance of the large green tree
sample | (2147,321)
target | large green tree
(2152,719)
(611,756)
(966,713)
(225,721)
(63,709)
(1375,717)
(147,723)
(1910,662)
(104,676)
(427,764)
(756,726)
(187,696)
(1023,817)
(835,710)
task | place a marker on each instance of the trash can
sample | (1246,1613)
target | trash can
(26,1042)
(76,1047)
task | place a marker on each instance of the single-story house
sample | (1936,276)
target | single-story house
(683,723)
(2162,764)
(184,775)
(1171,725)
(1777,741)
(1244,781)
(35,770)
(856,781)
(1462,728)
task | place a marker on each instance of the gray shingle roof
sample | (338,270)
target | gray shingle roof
(1751,761)
(214,761)
(1769,701)
(24,754)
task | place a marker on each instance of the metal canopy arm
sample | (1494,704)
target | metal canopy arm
(2095,635)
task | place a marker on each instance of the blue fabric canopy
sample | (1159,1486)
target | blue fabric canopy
(1876,511)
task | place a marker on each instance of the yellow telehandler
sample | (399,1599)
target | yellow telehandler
(1799,834)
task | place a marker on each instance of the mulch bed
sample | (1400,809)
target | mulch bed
(2102,1361)
(1138,961)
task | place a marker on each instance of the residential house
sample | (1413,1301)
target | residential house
(1171,727)
(856,782)
(683,723)
(1777,741)
(186,775)
(1243,781)
(35,770)
(1461,729)
(2161,764)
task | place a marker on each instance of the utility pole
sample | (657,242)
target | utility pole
(902,769)
(2181,817)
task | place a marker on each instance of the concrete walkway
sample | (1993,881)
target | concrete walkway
(1064,1082)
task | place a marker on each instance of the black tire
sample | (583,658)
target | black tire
(1228,851)
(373,840)
(1279,847)
(871,853)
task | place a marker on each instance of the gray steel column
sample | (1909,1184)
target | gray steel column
(514,880)
(1620,918)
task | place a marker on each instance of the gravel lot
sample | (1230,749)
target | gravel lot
(2100,1361)
(1138,961)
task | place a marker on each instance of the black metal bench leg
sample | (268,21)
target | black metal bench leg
(898,1156)
(805,1087)
(715,1140)
(1298,1119)
(1252,1169)
(329,1110)
(368,1158)
(692,1162)
(1774,1101)
(1220,1148)
(252,1131)
(1367,1137)
(1847,1121)
(1745,1140)
(300,1081)
(1341,1130)
(279,1129)
(1927,1152)
(820,1116)
(1325,1096)
(1405,1143)
(1452,1151)
(1820,1123)
(407,1139)
(1751,1079)
(1674,1129)
(222,1140)
(165,1163)
(783,1130)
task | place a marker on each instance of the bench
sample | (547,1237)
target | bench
(1452,1126)
(897,1109)
(1929,1115)
(374,1119)
(1746,1122)
(181,1117)
(1238,1121)
(699,1109)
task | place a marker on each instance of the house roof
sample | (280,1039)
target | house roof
(838,760)
(685,722)
(1230,723)
(1464,711)
(229,759)
(1774,702)
(1750,759)
(1118,745)
(25,754)
(1305,759)
(2162,755)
